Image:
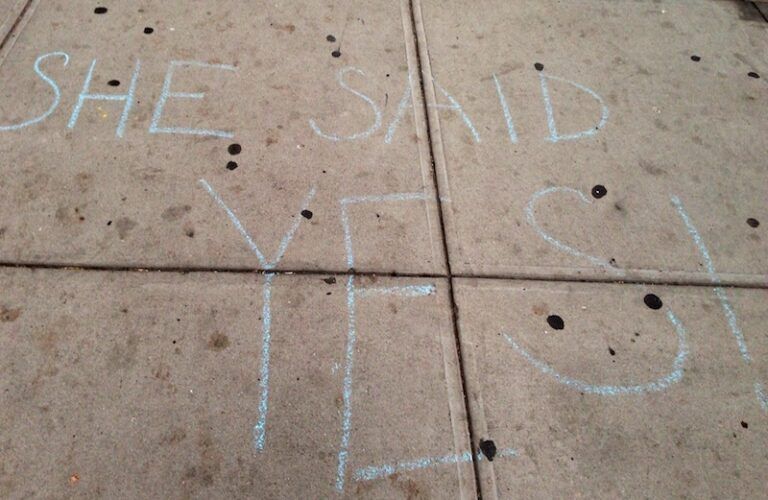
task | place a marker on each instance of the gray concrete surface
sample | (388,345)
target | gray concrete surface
(150,385)
(9,13)
(273,73)
(624,400)
(672,127)
(426,276)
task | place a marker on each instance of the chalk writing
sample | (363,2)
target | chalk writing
(345,202)
(722,297)
(128,98)
(377,472)
(165,94)
(455,106)
(51,83)
(554,136)
(374,107)
(507,114)
(260,430)
(401,107)
(405,103)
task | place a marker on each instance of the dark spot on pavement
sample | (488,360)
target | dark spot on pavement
(124,226)
(331,38)
(611,351)
(288,28)
(539,309)
(752,74)
(330,281)
(176,212)
(336,53)
(651,168)
(744,424)
(599,191)
(695,58)
(148,30)
(753,222)
(234,149)
(218,341)
(538,66)
(556,322)
(488,448)
(307,214)
(114,83)
(100,10)
(231,165)
(8,315)
(653,301)
(173,436)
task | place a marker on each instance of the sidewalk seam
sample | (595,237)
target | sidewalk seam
(388,274)
(421,45)
(14,29)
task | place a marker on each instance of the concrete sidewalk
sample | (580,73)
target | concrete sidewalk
(414,249)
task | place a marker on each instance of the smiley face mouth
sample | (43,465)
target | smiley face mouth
(658,385)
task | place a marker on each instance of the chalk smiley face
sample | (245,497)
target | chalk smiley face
(589,387)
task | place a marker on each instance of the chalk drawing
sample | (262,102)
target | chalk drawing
(51,83)
(376,111)
(128,98)
(265,264)
(403,291)
(554,136)
(260,429)
(761,396)
(345,202)
(730,314)
(530,212)
(377,472)
(405,101)
(660,384)
(346,419)
(346,423)
(455,106)
(352,293)
(165,94)
(507,113)
(722,296)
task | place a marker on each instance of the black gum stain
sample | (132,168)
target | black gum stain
(599,191)
(556,322)
(653,301)
(488,448)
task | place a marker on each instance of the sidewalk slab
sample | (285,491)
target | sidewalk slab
(618,102)
(152,385)
(623,400)
(143,179)
(9,13)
